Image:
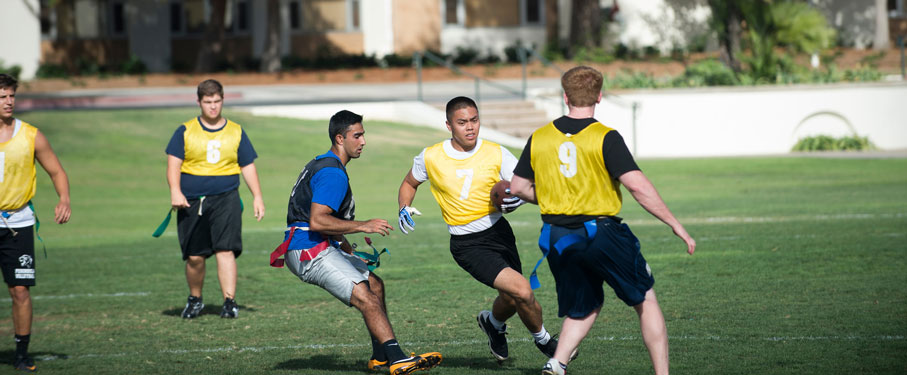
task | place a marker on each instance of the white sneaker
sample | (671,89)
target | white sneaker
(553,367)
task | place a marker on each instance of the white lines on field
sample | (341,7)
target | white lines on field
(88,295)
(456,343)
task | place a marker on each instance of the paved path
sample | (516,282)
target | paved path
(148,97)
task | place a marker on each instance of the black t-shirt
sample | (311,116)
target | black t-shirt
(617,158)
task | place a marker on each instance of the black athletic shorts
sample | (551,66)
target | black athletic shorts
(211,224)
(17,256)
(485,254)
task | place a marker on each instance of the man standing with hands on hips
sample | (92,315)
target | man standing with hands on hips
(573,168)
(205,157)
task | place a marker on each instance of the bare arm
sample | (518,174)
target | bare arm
(407,190)
(322,222)
(250,174)
(48,159)
(523,188)
(177,199)
(644,192)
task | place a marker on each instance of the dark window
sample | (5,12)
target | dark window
(450,12)
(355,5)
(118,18)
(176,17)
(892,4)
(242,16)
(294,15)
(46,19)
(533,11)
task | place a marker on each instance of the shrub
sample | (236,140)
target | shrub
(13,70)
(51,71)
(706,73)
(594,55)
(828,143)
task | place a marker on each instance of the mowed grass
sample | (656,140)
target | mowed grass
(800,265)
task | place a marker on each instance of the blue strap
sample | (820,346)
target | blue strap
(544,240)
(38,227)
(561,244)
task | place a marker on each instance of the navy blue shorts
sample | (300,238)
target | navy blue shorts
(612,256)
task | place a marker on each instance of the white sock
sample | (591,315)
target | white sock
(498,325)
(542,336)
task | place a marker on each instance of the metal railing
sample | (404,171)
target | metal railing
(525,55)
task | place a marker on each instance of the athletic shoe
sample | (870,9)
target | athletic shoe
(415,363)
(553,367)
(24,363)
(497,342)
(230,310)
(376,365)
(193,308)
(549,348)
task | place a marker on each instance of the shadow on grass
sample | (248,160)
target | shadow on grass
(208,310)
(482,363)
(321,362)
(8,356)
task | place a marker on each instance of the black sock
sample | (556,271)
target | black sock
(392,351)
(378,350)
(22,345)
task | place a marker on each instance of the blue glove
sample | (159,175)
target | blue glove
(406,220)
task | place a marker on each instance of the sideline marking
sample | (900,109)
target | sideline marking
(258,349)
(69,296)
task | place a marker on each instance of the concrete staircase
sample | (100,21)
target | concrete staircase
(514,117)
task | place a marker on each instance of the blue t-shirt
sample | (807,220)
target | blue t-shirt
(329,186)
(196,186)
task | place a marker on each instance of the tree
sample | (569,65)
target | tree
(212,47)
(767,26)
(882,40)
(585,25)
(270,57)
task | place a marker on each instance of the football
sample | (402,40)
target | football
(498,193)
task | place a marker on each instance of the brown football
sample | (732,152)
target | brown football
(498,193)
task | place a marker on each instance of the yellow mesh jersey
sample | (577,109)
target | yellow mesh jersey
(463,187)
(17,168)
(570,173)
(211,153)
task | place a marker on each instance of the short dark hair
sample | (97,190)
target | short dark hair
(210,87)
(340,122)
(459,103)
(8,82)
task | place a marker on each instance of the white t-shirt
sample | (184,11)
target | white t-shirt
(508,163)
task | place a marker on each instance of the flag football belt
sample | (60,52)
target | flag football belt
(6,215)
(163,226)
(307,254)
(561,244)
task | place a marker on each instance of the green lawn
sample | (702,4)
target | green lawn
(800,265)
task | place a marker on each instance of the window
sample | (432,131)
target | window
(48,19)
(453,12)
(295,15)
(354,14)
(117,18)
(896,8)
(236,17)
(176,18)
(533,12)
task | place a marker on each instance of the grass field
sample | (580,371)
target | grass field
(800,266)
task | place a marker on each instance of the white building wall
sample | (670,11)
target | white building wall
(490,39)
(660,23)
(21,31)
(755,121)
(377,27)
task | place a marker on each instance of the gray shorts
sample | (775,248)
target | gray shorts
(333,270)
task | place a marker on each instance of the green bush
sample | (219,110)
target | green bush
(594,55)
(51,71)
(13,70)
(706,73)
(828,143)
